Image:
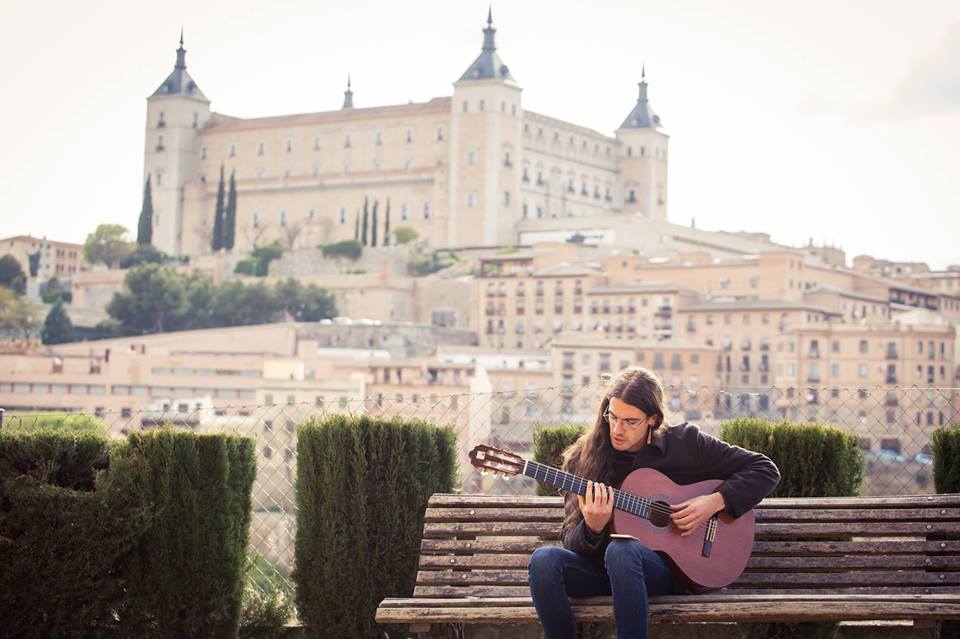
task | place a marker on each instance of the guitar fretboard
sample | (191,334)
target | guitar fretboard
(627,502)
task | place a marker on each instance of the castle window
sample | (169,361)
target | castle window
(643,151)
(439,133)
(316,143)
(289,145)
(629,151)
(513,109)
(160,122)
(255,219)
(378,138)
(471,199)
(283,217)
(525,211)
(203,152)
(471,156)
(160,146)
(312,213)
(426,210)
(343,215)
(260,148)
(159,178)
(481,105)
(403,210)
(233,148)
(346,142)
(506,198)
(465,106)
(409,136)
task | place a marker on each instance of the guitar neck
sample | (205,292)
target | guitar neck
(627,502)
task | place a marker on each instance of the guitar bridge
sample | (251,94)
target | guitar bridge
(709,537)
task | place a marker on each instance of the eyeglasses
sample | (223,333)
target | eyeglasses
(627,424)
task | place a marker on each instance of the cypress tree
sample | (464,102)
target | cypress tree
(386,226)
(145,225)
(356,227)
(216,242)
(230,215)
(373,225)
(57,327)
(363,234)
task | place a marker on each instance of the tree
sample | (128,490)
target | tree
(144,254)
(230,216)
(12,275)
(363,233)
(386,226)
(373,225)
(292,230)
(57,327)
(356,227)
(17,313)
(145,224)
(216,242)
(304,303)
(108,244)
(405,234)
(152,295)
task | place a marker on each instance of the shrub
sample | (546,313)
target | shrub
(62,534)
(186,574)
(250,266)
(814,461)
(362,487)
(267,603)
(946,459)
(405,234)
(351,249)
(549,442)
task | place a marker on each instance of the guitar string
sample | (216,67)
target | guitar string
(629,499)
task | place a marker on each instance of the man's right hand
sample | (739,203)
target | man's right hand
(596,506)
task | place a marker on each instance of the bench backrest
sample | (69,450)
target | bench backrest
(479,545)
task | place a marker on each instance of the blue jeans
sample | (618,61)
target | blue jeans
(630,572)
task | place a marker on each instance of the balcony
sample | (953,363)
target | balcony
(664,311)
(892,353)
(814,353)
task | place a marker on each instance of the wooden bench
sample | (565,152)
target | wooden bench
(902,562)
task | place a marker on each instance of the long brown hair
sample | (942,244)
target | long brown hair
(592,455)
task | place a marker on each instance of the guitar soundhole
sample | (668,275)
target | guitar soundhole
(660,514)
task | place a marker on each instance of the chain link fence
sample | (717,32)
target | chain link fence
(894,426)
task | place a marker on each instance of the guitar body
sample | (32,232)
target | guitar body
(727,552)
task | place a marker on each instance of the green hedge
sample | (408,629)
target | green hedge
(549,442)
(351,249)
(362,486)
(946,459)
(186,576)
(814,461)
(142,538)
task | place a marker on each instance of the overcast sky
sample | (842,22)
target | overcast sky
(836,121)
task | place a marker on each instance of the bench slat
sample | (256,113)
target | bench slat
(763,514)
(803,503)
(507,577)
(505,528)
(691,611)
(805,563)
(524,591)
(795,548)
(718,598)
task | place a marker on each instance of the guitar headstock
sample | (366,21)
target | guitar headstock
(494,459)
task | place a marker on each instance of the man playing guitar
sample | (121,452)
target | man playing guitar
(630,433)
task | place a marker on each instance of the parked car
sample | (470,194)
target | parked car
(886,454)
(923,458)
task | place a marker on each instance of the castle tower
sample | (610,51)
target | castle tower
(485,147)
(176,111)
(643,154)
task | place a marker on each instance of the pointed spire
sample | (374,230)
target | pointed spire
(642,115)
(488,65)
(488,34)
(181,53)
(348,95)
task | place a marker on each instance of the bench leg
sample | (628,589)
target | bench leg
(930,626)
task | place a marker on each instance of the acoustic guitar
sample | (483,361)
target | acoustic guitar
(712,557)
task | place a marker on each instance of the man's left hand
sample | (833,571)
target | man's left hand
(689,515)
